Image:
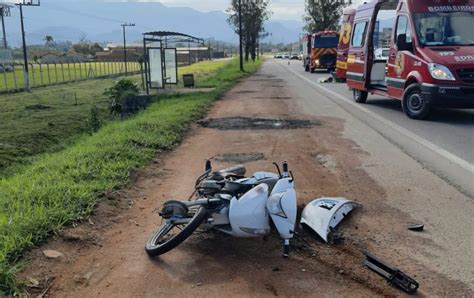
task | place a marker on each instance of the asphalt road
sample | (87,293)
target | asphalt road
(444,144)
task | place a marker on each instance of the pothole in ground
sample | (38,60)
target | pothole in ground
(245,91)
(273,97)
(240,157)
(269,80)
(265,75)
(236,123)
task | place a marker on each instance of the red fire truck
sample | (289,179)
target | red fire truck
(431,57)
(323,50)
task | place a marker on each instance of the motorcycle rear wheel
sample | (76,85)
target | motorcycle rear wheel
(159,243)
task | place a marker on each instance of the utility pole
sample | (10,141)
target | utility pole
(25,53)
(240,37)
(189,51)
(209,48)
(4,12)
(125,45)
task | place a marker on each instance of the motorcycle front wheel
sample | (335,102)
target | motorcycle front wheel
(171,234)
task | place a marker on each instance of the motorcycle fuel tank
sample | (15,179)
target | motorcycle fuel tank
(323,215)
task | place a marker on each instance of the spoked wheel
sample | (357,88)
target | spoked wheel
(173,232)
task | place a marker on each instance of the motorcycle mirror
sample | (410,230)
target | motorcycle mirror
(208,165)
(278,168)
(292,177)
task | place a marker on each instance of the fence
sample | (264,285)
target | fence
(41,75)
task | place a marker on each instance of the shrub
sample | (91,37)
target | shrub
(93,121)
(121,95)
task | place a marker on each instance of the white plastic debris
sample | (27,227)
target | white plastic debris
(323,215)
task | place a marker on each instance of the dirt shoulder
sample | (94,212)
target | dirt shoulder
(105,255)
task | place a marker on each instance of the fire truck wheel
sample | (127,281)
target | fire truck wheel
(312,70)
(414,104)
(360,96)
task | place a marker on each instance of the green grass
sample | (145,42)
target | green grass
(53,74)
(48,118)
(62,187)
(204,71)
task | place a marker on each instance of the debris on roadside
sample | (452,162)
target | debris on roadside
(33,283)
(323,215)
(416,227)
(327,80)
(84,279)
(394,276)
(52,254)
(49,284)
(276,268)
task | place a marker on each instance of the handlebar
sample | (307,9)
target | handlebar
(203,202)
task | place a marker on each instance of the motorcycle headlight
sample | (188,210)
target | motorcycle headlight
(274,205)
(440,72)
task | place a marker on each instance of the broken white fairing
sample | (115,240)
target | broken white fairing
(323,215)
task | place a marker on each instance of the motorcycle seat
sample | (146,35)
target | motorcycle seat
(236,171)
(238,189)
(270,182)
(235,188)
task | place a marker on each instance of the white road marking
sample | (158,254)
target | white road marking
(448,155)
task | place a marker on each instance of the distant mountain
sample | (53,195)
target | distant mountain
(100,21)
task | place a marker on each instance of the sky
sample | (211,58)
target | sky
(282,9)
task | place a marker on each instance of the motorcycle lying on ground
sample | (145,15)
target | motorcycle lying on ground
(229,202)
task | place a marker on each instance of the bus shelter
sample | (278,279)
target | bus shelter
(161,59)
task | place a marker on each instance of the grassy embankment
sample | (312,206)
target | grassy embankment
(47,119)
(58,188)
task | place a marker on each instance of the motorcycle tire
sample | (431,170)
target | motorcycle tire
(154,248)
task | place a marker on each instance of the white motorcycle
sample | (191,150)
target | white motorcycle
(227,201)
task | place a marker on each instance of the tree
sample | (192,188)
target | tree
(87,48)
(323,14)
(48,40)
(254,15)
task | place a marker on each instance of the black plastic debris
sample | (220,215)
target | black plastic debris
(394,276)
(416,227)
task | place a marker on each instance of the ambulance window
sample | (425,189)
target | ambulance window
(359,34)
(403,27)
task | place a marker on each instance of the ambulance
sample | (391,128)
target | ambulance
(430,59)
